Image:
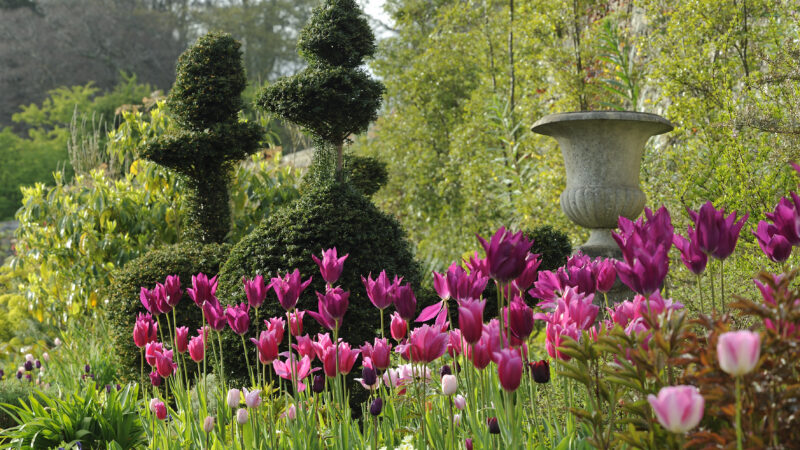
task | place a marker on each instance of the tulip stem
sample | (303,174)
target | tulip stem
(292,366)
(713,297)
(739,413)
(722,285)
(452,429)
(221,362)
(500,298)
(247,360)
(700,294)
(382,324)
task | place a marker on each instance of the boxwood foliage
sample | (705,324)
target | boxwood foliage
(205,100)
(184,259)
(327,215)
(367,173)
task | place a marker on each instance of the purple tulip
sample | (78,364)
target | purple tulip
(478,265)
(332,308)
(647,272)
(203,290)
(376,407)
(255,290)
(215,316)
(774,245)
(693,258)
(145,330)
(238,318)
(678,408)
(172,289)
(506,254)
(155,300)
(470,319)
(155,379)
(786,219)
(529,273)
(716,234)
(380,291)
(405,302)
(494,426)
(606,274)
(289,288)
(520,318)
(650,234)
(331,265)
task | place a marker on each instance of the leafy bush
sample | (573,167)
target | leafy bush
(184,259)
(553,246)
(90,418)
(366,173)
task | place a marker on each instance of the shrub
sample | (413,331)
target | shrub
(15,393)
(553,246)
(184,259)
(367,174)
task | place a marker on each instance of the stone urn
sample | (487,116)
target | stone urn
(603,155)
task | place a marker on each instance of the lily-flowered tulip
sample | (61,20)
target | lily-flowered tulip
(470,319)
(145,330)
(646,273)
(606,275)
(774,245)
(738,351)
(196,348)
(509,368)
(379,353)
(276,325)
(215,316)
(155,300)
(252,398)
(296,322)
(529,273)
(693,258)
(461,285)
(181,339)
(405,302)
(520,318)
(332,307)
(289,288)
(233,398)
(300,370)
(155,379)
(786,219)
(241,416)
(398,327)
(203,289)
(150,353)
(540,371)
(380,291)
(238,318)
(449,384)
(172,289)
(331,265)
(164,363)
(427,343)
(678,408)
(158,408)
(305,347)
(267,345)
(255,290)
(506,254)
(716,234)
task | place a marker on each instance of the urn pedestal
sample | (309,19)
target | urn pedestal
(602,155)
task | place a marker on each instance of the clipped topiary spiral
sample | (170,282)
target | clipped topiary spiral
(338,34)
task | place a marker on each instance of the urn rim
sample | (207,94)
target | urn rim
(541,125)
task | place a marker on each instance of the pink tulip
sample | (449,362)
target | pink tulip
(606,275)
(520,318)
(332,307)
(380,291)
(470,319)
(267,345)
(331,265)
(322,343)
(164,364)
(155,300)
(460,402)
(449,384)
(255,290)
(203,289)
(379,353)
(678,408)
(305,347)
(301,369)
(238,318)
(509,368)
(196,348)
(241,416)
(454,342)
(276,325)
(181,339)
(158,408)
(347,358)
(215,316)
(427,344)
(251,398)
(738,351)
(155,379)
(150,352)
(440,285)
(145,330)
(289,288)
(405,302)
(296,322)
(398,327)
(172,289)
(506,254)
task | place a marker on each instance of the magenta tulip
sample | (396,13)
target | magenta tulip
(405,302)
(520,318)
(150,352)
(462,285)
(155,379)
(398,327)
(181,339)
(786,219)
(380,291)
(164,363)
(529,273)
(158,408)
(276,325)
(267,345)
(296,322)
(196,348)
(347,358)
(331,265)
(470,319)
(145,330)
(678,408)
(238,318)
(289,288)
(509,368)
(738,352)
(440,285)
(693,258)
(606,275)
(774,245)
(172,289)
(427,343)
(716,234)
(215,316)
(155,300)
(646,273)
(379,353)
(203,289)
(300,370)
(305,347)
(255,290)
(332,307)
(506,254)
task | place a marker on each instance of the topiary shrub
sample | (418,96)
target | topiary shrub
(366,173)
(184,259)
(332,215)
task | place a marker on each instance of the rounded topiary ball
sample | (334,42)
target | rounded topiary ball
(184,259)
(367,173)
(337,34)
(209,81)
(327,215)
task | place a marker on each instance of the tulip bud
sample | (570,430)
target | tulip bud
(155,379)
(28,366)
(108,388)
(445,370)
(319,384)
(208,424)
(468,444)
(398,327)
(87,368)
(376,407)
(38,364)
(234,396)
(291,412)
(241,416)
(460,402)
(46,356)
(449,384)
(369,376)
(494,426)
(457,419)
(738,351)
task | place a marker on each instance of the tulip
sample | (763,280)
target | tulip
(379,354)
(267,345)
(693,258)
(149,354)
(369,378)
(155,379)
(606,275)
(238,318)
(738,352)
(252,398)
(208,424)
(305,347)
(332,307)
(477,265)
(678,408)
(440,285)
(181,339)
(398,327)
(380,291)
(645,235)
(468,444)
(289,288)
(460,402)
(509,369)
(520,318)
(46,356)
(470,319)
(540,371)
(331,265)
(457,419)
(276,325)
(255,290)
(405,302)
(376,407)
(786,219)
(56,342)
(233,398)
(319,384)
(427,344)
(196,349)
(506,254)
(347,358)
(323,343)
(479,353)
(172,289)
(159,408)
(145,330)
(28,365)
(241,416)
(87,368)
(449,384)
(203,290)
(646,273)
(300,370)
(164,363)
(215,316)
(291,412)
(296,322)
(774,245)
(494,426)
(454,343)
(716,234)
(155,300)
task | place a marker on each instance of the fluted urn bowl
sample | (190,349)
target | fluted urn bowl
(602,155)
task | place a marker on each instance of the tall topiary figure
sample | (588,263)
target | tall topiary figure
(205,101)
(333,97)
